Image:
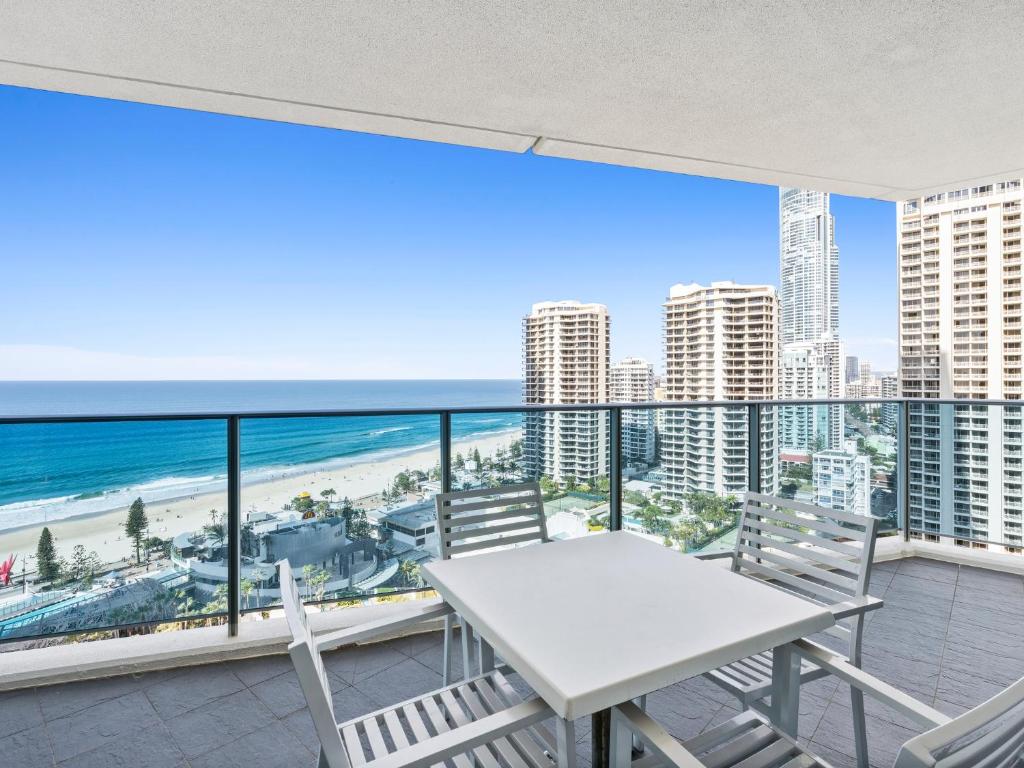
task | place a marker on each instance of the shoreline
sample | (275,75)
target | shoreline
(208,485)
(102,530)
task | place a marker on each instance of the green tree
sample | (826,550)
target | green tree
(135,526)
(259,576)
(247,586)
(318,581)
(409,572)
(359,527)
(548,487)
(403,484)
(303,504)
(82,565)
(47,564)
(329,493)
(216,531)
(460,461)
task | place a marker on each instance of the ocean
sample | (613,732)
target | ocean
(63,470)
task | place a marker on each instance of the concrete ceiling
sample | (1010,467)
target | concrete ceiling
(878,99)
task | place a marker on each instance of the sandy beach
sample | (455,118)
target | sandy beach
(103,532)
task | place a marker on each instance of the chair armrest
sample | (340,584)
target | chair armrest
(855,606)
(371,629)
(656,738)
(467,737)
(714,555)
(858,678)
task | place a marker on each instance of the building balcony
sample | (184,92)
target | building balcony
(152,664)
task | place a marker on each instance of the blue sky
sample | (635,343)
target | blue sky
(148,242)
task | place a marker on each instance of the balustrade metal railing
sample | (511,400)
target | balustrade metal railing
(911,460)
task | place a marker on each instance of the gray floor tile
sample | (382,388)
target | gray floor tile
(154,745)
(219,722)
(282,695)
(256,670)
(27,749)
(58,701)
(300,725)
(405,680)
(193,688)
(884,738)
(350,703)
(964,688)
(270,747)
(19,711)
(100,725)
(680,712)
(362,661)
(935,570)
(983,578)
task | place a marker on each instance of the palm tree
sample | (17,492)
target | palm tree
(410,573)
(318,581)
(247,587)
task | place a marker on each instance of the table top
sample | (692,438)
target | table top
(595,621)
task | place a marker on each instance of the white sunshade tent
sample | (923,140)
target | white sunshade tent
(878,99)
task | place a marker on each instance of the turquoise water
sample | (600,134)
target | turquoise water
(81,466)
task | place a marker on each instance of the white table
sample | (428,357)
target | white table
(595,621)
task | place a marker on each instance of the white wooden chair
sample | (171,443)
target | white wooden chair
(989,736)
(481,519)
(821,555)
(480,721)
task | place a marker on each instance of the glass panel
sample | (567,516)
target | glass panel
(841,457)
(348,501)
(690,498)
(964,487)
(95,516)
(567,451)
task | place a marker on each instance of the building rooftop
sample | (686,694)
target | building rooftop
(949,635)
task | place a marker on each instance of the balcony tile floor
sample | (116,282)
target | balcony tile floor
(952,636)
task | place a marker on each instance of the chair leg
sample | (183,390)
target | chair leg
(486,655)
(565,736)
(467,646)
(620,742)
(446,662)
(638,744)
(321,761)
(860,735)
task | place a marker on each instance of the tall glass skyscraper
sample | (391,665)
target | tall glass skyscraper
(812,354)
(808,266)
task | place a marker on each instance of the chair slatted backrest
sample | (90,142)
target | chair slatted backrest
(309,667)
(822,555)
(490,518)
(989,736)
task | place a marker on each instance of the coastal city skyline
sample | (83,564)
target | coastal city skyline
(269,238)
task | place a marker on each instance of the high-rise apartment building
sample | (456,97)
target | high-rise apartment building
(890,411)
(632,381)
(812,371)
(852,368)
(721,343)
(841,480)
(565,361)
(813,357)
(960,337)
(808,266)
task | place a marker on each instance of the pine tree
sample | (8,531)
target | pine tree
(135,526)
(46,557)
